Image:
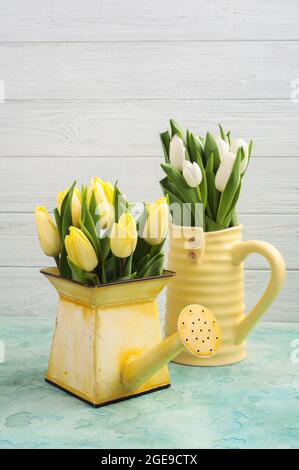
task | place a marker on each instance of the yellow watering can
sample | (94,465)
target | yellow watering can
(209,271)
(107,341)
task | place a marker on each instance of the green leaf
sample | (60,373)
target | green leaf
(154,267)
(89,229)
(165,140)
(93,209)
(250,148)
(186,193)
(142,249)
(128,267)
(232,213)
(58,221)
(228,137)
(105,245)
(211,147)
(123,278)
(176,130)
(66,222)
(83,203)
(222,133)
(81,276)
(212,226)
(109,268)
(119,203)
(227,197)
(194,151)
(213,193)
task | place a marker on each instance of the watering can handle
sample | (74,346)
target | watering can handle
(239,251)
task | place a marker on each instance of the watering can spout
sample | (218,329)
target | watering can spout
(198,332)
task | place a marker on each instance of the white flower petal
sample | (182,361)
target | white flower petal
(177,152)
(235,145)
(224,171)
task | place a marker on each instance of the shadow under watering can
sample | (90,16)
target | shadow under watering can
(107,342)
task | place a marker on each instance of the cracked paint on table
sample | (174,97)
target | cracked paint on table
(251,404)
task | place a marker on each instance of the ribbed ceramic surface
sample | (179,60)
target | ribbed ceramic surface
(206,275)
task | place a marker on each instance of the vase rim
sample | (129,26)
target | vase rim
(213,232)
(52,272)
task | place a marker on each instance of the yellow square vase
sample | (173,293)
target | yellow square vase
(98,329)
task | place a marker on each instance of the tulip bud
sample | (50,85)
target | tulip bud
(47,233)
(80,250)
(59,199)
(123,236)
(224,171)
(192,174)
(103,192)
(156,225)
(76,204)
(177,152)
(223,147)
(235,145)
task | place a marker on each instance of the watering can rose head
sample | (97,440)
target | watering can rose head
(205,173)
(96,239)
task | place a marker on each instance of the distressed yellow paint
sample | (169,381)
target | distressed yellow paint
(98,330)
(209,271)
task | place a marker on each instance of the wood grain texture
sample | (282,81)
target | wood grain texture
(131,128)
(114,20)
(19,245)
(148,70)
(89,86)
(24,291)
(269,186)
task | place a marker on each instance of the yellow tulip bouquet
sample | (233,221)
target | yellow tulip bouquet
(203,176)
(96,239)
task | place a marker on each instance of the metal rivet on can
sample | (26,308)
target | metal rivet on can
(192,255)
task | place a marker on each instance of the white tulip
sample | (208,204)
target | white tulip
(224,171)
(192,174)
(177,152)
(235,145)
(223,147)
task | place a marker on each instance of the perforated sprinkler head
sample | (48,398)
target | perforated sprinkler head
(199,330)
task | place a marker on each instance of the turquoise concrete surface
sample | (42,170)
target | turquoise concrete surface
(251,404)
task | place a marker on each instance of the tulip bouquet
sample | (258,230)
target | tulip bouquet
(203,176)
(96,239)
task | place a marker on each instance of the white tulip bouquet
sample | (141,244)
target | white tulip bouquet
(203,176)
(96,239)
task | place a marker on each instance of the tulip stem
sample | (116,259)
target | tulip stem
(122,263)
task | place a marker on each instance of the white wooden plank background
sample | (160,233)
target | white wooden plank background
(131,127)
(269,186)
(135,20)
(89,86)
(144,70)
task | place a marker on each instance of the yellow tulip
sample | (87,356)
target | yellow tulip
(47,232)
(123,237)
(103,192)
(156,225)
(80,250)
(76,204)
